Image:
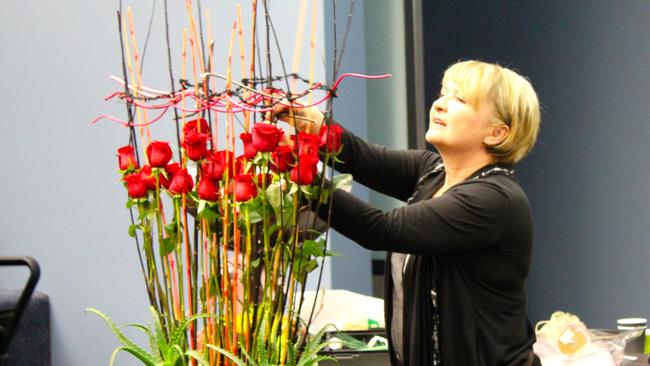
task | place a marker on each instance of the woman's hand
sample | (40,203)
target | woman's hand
(305,119)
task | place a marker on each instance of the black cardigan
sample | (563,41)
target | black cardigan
(474,241)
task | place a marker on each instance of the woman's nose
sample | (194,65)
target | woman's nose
(439,104)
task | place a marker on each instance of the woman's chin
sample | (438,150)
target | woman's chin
(432,136)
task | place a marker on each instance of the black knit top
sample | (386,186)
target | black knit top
(472,246)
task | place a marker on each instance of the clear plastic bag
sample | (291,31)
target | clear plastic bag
(565,341)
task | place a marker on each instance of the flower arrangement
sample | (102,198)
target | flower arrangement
(223,228)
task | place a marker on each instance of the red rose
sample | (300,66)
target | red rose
(181,182)
(135,185)
(283,159)
(266,137)
(241,166)
(249,148)
(126,158)
(195,126)
(245,188)
(330,137)
(159,153)
(305,144)
(196,146)
(208,189)
(148,178)
(305,171)
(170,169)
(212,167)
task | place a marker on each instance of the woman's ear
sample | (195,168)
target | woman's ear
(497,134)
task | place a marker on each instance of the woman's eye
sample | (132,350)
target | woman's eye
(460,99)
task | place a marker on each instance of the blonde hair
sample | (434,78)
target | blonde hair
(513,98)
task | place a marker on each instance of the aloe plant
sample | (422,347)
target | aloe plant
(162,352)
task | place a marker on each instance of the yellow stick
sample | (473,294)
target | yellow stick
(312,47)
(297,47)
(193,33)
(129,63)
(138,73)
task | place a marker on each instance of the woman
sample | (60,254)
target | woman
(459,252)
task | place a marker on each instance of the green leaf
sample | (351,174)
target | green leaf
(255,263)
(207,213)
(293,189)
(199,357)
(254,217)
(152,340)
(132,230)
(129,203)
(168,244)
(274,195)
(133,352)
(313,248)
(202,206)
(342,181)
(179,333)
(313,346)
(158,334)
(129,346)
(306,190)
(238,361)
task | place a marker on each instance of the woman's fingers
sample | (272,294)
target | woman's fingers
(305,119)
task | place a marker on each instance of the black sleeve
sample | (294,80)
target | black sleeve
(467,217)
(392,172)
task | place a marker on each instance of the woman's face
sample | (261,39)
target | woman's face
(455,126)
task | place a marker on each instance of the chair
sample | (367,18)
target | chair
(25,319)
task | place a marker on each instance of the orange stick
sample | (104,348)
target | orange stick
(188,272)
(251,70)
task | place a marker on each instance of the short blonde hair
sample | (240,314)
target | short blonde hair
(514,100)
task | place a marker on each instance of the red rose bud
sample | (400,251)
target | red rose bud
(245,188)
(330,137)
(170,170)
(249,148)
(266,137)
(147,177)
(305,144)
(195,126)
(196,146)
(305,171)
(135,185)
(159,154)
(181,182)
(283,159)
(241,165)
(212,167)
(208,189)
(126,158)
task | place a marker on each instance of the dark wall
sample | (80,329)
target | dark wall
(588,177)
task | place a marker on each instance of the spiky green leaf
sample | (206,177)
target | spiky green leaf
(238,361)
(129,346)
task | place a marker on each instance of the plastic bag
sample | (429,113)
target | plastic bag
(565,341)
